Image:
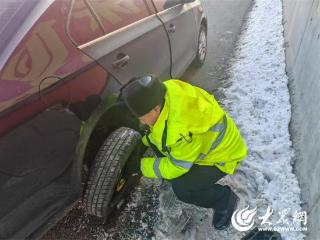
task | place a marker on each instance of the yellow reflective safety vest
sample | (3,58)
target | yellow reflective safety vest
(191,129)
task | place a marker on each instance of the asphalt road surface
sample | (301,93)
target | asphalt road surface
(225,19)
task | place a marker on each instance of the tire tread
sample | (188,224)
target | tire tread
(106,169)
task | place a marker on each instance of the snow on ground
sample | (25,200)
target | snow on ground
(257,98)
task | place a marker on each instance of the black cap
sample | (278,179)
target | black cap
(143,94)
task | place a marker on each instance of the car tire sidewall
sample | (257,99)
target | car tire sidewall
(106,169)
(198,61)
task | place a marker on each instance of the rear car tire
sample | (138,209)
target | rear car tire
(105,172)
(202,47)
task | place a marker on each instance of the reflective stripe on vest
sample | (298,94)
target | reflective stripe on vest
(181,163)
(217,128)
(178,163)
(156,167)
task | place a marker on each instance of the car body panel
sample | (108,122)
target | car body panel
(32,157)
(143,41)
(43,59)
(58,71)
(45,84)
(17,18)
(179,21)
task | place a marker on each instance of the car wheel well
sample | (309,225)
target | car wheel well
(115,117)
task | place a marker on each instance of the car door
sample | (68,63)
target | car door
(181,26)
(135,41)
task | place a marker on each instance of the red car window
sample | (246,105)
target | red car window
(162,5)
(118,14)
(82,25)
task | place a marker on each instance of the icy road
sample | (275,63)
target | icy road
(257,98)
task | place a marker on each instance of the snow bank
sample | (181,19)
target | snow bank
(258,100)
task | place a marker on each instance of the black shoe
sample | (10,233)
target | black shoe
(255,234)
(221,219)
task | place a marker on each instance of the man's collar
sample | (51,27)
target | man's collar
(158,127)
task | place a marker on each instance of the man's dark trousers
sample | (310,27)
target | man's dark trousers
(198,187)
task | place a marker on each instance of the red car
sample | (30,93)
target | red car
(63,134)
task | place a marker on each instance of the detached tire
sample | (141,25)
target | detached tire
(106,171)
(202,47)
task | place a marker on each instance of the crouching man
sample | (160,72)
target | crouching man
(194,141)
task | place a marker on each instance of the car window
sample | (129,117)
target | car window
(162,5)
(82,25)
(12,16)
(117,14)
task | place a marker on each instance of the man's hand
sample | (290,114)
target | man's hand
(133,166)
(134,161)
